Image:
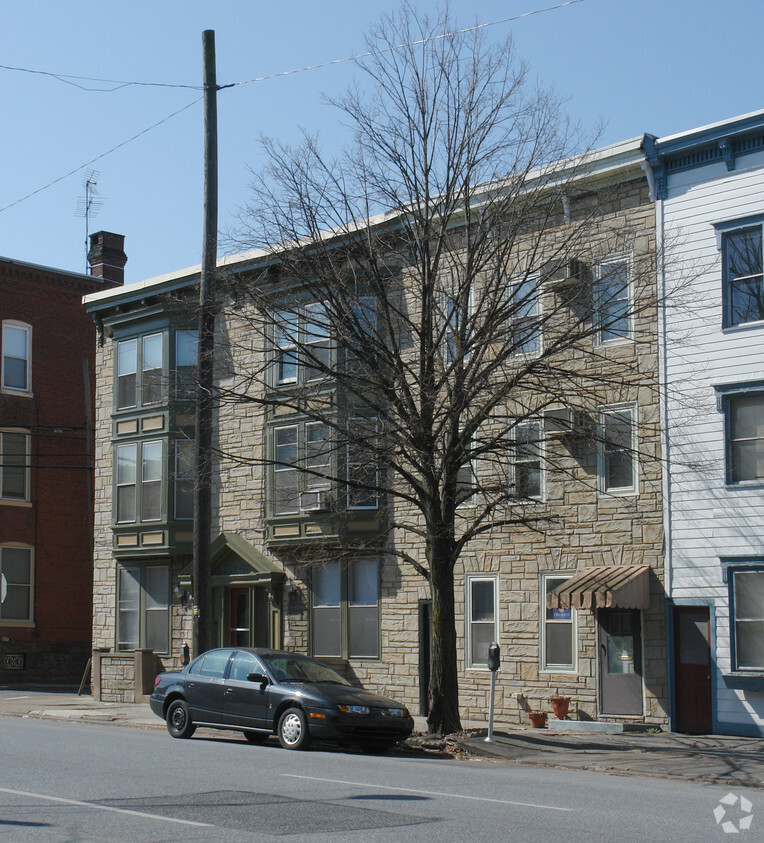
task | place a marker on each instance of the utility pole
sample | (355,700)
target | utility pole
(204,402)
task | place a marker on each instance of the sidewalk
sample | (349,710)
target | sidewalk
(712,759)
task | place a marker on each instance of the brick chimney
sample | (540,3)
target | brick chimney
(107,256)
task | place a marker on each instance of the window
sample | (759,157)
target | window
(186,349)
(17,356)
(143,613)
(617,452)
(742,276)
(525,461)
(526,328)
(557,628)
(612,300)
(16,578)
(745,438)
(482,614)
(747,616)
(295,446)
(301,340)
(345,609)
(14,466)
(456,318)
(139,491)
(140,371)
(362,467)
(184,478)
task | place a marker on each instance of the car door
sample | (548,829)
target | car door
(245,702)
(205,688)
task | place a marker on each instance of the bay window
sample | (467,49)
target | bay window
(140,372)
(139,469)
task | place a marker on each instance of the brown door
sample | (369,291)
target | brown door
(692,672)
(620,661)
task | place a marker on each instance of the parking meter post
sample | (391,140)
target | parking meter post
(494,661)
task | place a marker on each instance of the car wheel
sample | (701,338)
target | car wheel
(293,729)
(178,720)
(256,737)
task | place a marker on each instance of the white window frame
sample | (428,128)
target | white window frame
(628,334)
(602,450)
(469,580)
(29,620)
(26,499)
(552,667)
(514,461)
(27,329)
(528,311)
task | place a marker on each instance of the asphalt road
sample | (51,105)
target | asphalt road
(75,781)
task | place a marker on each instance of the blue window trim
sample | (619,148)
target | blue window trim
(723,393)
(742,678)
(722,229)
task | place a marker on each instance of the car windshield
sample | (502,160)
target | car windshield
(299,669)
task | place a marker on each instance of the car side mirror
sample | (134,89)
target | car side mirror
(257,677)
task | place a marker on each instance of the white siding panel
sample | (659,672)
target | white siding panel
(708,521)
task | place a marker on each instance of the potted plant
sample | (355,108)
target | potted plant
(538,719)
(560,706)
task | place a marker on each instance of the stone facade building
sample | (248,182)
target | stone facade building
(574,596)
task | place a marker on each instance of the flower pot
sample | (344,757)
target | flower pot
(538,719)
(560,706)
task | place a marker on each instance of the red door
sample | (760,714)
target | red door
(692,672)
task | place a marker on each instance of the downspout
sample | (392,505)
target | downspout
(661,283)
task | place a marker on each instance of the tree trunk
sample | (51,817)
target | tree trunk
(444,684)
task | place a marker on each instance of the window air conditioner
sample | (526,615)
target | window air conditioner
(316,501)
(563,274)
(561,421)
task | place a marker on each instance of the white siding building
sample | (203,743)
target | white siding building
(709,187)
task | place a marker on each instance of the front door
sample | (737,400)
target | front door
(425,654)
(620,657)
(238,617)
(692,671)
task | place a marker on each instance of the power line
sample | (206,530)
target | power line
(102,155)
(118,84)
(408,44)
(61,77)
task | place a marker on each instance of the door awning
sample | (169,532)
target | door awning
(604,587)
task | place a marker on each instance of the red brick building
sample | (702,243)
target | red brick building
(47,349)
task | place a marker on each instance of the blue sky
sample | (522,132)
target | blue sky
(658,66)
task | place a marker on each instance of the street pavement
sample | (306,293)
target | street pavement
(711,759)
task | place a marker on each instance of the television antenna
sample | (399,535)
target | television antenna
(88,207)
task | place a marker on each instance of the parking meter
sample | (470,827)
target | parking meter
(494,660)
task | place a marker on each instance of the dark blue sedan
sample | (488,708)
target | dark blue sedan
(266,692)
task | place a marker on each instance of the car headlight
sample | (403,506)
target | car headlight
(354,709)
(397,712)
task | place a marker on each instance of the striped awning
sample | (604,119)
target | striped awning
(605,587)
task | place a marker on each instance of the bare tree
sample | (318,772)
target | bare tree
(434,287)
